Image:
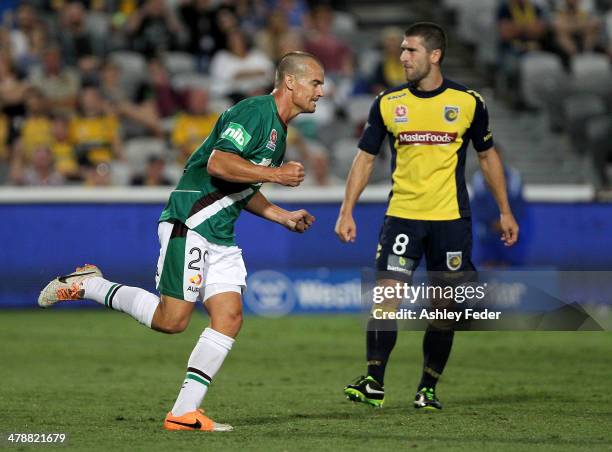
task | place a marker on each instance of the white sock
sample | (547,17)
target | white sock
(134,301)
(204,362)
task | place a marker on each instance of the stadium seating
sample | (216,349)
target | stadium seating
(179,63)
(187,80)
(591,73)
(139,150)
(578,110)
(541,76)
(357,108)
(133,68)
(343,154)
(598,132)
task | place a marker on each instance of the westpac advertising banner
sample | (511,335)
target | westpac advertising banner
(273,293)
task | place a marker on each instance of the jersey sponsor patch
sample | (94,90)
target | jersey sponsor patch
(401,114)
(427,137)
(237,135)
(197,279)
(400,264)
(451,113)
(272,140)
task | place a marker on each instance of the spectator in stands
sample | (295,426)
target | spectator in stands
(270,39)
(39,130)
(5,146)
(167,99)
(35,129)
(40,171)
(153,175)
(576,30)
(96,175)
(335,55)
(251,14)
(12,89)
(26,21)
(94,131)
(241,70)
(33,57)
(522,28)
(296,11)
(292,41)
(139,117)
(59,84)
(5,40)
(225,21)
(203,36)
(80,46)
(154,28)
(389,71)
(193,126)
(62,149)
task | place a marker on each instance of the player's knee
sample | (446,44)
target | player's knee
(173,325)
(233,318)
(229,322)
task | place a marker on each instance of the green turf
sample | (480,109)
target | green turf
(108,382)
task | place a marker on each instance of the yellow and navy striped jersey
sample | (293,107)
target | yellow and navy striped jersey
(429,132)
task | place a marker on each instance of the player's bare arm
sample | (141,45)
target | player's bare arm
(493,171)
(297,221)
(358,178)
(233,168)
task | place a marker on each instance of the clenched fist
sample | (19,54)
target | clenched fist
(291,174)
(299,221)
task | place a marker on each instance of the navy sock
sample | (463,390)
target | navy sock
(380,340)
(437,345)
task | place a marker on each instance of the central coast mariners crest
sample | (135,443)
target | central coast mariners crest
(451,113)
(454,260)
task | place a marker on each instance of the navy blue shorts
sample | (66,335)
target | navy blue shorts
(446,245)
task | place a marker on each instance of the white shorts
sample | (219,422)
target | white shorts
(188,263)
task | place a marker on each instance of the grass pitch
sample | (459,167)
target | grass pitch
(108,382)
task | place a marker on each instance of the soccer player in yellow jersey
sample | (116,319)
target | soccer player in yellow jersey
(429,121)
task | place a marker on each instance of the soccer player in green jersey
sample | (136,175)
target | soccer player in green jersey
(199,258)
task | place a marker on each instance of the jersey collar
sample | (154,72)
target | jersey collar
(276,113)
(426,94)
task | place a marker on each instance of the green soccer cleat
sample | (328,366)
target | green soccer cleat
(426,399)
(366,390)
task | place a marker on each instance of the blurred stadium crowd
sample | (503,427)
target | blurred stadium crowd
(120,92)
(551,57)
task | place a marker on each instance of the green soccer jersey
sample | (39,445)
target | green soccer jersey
(209,205)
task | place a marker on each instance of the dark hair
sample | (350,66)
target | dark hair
(434,36)
(289,64)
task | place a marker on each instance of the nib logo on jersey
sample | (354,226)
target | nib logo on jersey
(426,137)
(237,135)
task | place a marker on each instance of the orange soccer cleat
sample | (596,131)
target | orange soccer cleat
(195,420)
